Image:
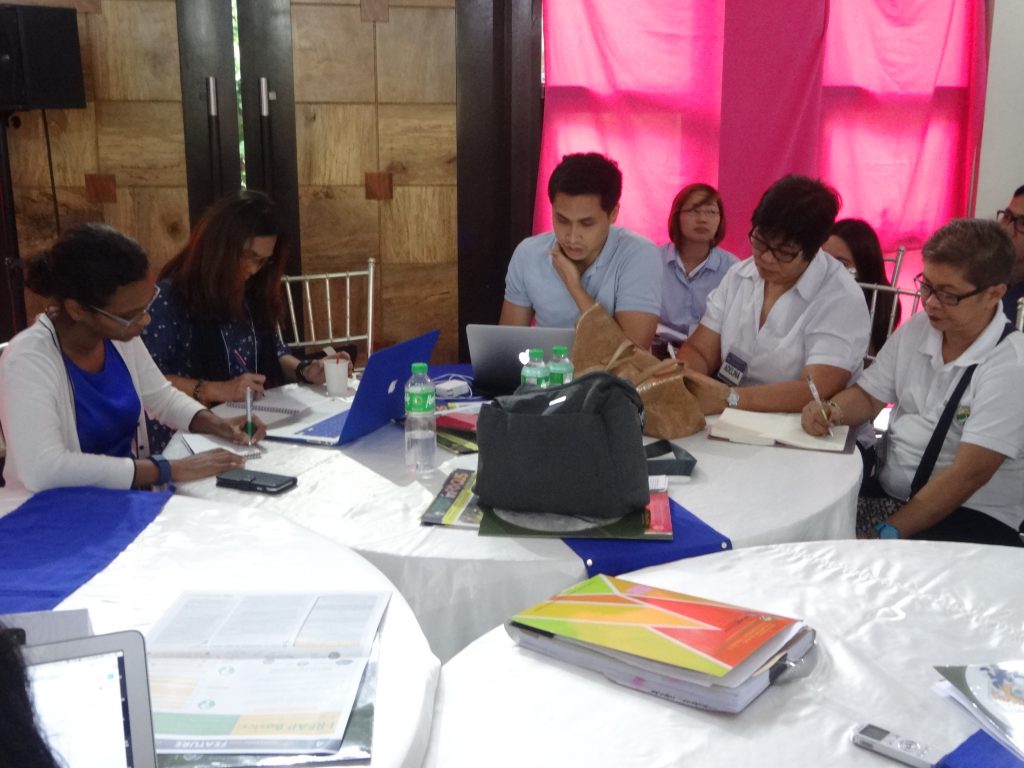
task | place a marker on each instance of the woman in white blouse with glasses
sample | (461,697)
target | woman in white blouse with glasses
(787,313)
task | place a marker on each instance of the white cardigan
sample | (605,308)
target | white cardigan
(37,413)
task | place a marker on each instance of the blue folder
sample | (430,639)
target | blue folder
(691,536)
(60,538)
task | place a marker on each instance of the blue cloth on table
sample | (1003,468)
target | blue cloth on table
(60,538)
(980,751)
(691,536)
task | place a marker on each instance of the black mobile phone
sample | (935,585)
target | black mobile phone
(264,482)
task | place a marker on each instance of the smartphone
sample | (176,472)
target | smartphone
(906,751)
(264,482)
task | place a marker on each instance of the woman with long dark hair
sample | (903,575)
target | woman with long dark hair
(855,245)
(21,745)
(214,329)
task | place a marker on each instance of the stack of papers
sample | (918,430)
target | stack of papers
(994,695)
(678,647)
(770,428)
(260,673)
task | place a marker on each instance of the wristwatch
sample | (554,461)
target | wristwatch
(163,466)
(733,400)
(302,366)
(886,531)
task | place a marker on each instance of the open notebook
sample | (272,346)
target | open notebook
(754,428)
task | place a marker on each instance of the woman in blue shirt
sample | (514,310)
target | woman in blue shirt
(74,385)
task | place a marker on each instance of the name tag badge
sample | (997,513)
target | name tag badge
(732,370)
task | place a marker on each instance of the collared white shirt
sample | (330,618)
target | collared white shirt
(684,297)
(910,372)
(822,320)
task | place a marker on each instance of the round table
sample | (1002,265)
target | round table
(195,545)
(885,613)
(460,585)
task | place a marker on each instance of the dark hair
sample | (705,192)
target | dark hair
(21,745)
(978,247)
(799,210)
(863,243)
(87,263)
(204,275)
(708,194)
(1019,191)
(587,173)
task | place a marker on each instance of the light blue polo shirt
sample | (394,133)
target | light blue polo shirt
(684,298)
(625,277)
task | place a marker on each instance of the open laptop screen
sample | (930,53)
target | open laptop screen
(91,698)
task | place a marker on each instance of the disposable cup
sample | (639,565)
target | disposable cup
(336,374)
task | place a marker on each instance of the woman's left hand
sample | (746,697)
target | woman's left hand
(712,394)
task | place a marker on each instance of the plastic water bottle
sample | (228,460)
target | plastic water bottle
(535,372)
(420,422)
(560,368)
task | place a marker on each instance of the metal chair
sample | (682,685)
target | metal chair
(875,289)
(320,324)
(1020,314)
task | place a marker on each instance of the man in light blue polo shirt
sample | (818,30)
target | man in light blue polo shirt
(557,275)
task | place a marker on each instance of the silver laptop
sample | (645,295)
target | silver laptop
(499,352)
(91,698)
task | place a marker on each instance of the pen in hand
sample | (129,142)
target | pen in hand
(241,360)
(250,425)
(821,405)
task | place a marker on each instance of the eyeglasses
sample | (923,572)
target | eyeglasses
(927,290)
(760,246)
(255,259)
(128,322)
(704,210)
(1016,220)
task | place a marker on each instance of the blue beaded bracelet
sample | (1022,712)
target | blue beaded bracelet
(886,531)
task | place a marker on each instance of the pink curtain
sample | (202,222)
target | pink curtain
(881,99)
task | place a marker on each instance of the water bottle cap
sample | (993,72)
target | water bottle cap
(419,367)
(536,354)
(562,351)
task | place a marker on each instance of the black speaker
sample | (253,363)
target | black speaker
(40,61)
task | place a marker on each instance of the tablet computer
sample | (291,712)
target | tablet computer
(91,697)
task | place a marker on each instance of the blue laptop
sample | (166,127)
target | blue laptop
(380,398)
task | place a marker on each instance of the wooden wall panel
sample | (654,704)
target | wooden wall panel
(335,143)
(326,2)
(332,53)
(34,212)
(72,141)
(417,142)
(422,3)
(142,143)
(340,227)
(155,216)
(416,56)
(418,226)
(135,51)
(417,298)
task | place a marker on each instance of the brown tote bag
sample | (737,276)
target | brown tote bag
(670,408)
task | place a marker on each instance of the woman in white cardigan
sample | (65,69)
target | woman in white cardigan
(75,385)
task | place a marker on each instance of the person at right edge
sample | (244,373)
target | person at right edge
(1011,219)
(970,485)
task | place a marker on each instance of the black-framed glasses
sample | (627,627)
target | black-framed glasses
(1011,218)
(949,299)
(760,245)
(710,211)
(128,322)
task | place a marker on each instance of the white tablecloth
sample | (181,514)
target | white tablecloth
(460,585)
(202,545)
(885,613)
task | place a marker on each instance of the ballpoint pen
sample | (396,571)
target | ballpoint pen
(821,405)
(250,425)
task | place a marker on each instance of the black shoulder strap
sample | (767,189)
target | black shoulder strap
(931,453)
(681,463)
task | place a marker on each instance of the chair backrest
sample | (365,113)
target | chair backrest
(1020,314)
(319,320)
(874,290)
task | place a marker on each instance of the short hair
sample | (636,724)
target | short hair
(587,173)
(708,195)
(87,263)
(1019,191)
(797,209)
(978,247)
(204,274)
